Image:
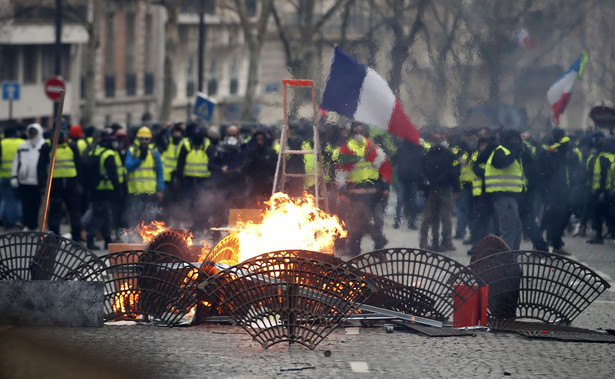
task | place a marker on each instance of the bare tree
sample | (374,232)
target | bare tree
(171,43)
(299,38)
(92,26)
(401,14)
(254,29)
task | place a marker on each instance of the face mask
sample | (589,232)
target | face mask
(359,137)
(445,144)
(232,141)
(176,140)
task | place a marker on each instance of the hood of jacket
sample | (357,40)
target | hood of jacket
(39,137)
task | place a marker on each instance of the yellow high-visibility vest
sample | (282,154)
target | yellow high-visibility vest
(65,162)
(169,158)
(9,150)
(196,162)
(363,171)
(509,179)
(143,179)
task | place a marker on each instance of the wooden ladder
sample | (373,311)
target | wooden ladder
(320,189)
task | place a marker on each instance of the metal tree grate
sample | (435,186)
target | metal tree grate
(287,297)
(488,245)
(43,256)
(416,282)
(537,285)
(142,283)
(174,243)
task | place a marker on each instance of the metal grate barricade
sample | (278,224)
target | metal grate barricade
(537,285)
(416,282)
(288,296)
(142,284)
(43,256)
(172,242)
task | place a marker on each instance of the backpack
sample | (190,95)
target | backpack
(91,168)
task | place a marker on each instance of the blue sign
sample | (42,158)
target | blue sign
(204,107)
(10,91)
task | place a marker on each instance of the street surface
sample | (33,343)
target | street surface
(221,351)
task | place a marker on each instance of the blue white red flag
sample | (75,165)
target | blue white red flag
(358,92)
(523,38)
(559,93)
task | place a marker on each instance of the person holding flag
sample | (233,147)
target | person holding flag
(363,174)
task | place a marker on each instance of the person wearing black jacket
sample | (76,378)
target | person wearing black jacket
(259,167)
(529,197)
(484,215)
(406,165)
(104,191)
(64,186)
(440,180)
(558,163)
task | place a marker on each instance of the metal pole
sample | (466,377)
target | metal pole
(57,67)
(201,57)
(11,111)
(54,148)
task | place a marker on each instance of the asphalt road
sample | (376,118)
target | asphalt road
(212,351)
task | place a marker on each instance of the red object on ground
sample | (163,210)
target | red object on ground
(53,88)
(474,311)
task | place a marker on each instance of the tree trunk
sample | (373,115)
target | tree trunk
(171,43)
(253,80)
(91,50)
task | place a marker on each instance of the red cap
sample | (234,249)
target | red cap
(75,131)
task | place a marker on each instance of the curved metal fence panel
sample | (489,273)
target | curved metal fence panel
(537,285)
(416,282)
(290,296)
(43,256)
(142,284)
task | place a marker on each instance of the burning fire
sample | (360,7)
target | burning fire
(125,299)
(148,232)
(289,224)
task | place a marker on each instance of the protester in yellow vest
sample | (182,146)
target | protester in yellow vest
(76,135)
(145,179)
(99,216)
(504,181)
(64,187)
(602,201)
(11,206)
(363,175)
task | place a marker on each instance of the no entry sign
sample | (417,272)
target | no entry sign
(53,87)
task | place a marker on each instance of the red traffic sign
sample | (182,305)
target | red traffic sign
(53,88)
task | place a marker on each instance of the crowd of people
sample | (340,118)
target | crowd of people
(499,182)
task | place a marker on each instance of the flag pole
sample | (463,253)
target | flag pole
(54,148)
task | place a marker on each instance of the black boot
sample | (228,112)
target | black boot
(91,245)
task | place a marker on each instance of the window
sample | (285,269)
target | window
(234,84)
(109,85)
(148,79)
(190,82)
(129,54)
(30,64)
(8,63)
(212,82)
(130,84)
(48,61)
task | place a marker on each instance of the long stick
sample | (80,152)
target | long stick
(54,148)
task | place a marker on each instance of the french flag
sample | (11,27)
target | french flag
(559,93)
(358,92)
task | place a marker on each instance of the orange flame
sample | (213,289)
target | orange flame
(148,232)
(125,299)
(289,223)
